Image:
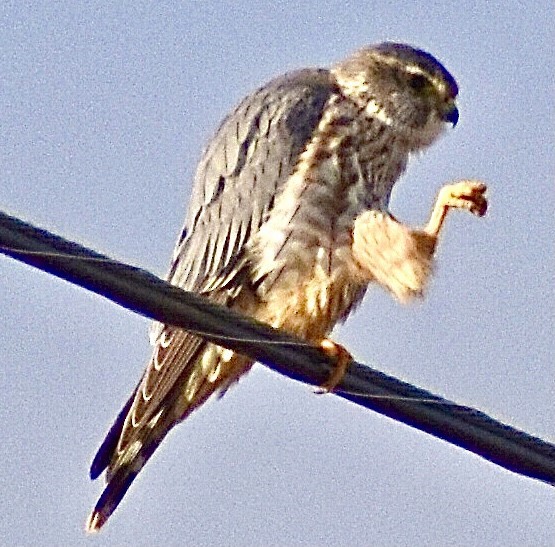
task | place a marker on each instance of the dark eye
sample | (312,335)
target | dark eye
(418,82)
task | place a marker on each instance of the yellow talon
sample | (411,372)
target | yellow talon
(342,361)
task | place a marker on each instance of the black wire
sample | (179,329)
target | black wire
(144,293)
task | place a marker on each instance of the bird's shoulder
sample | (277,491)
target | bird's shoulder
(281,114)
(243,168)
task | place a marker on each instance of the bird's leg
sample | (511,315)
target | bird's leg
(466,194)
(342,361)
(400,258)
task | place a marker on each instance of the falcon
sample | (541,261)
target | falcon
(288,223)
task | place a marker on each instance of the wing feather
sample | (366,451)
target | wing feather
(250,158)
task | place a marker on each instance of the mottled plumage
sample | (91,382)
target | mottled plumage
(288,222)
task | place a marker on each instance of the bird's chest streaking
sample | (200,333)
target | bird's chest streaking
(301,258)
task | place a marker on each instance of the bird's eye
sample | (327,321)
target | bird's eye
(418,82)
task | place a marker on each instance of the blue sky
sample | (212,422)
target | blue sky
(104,110)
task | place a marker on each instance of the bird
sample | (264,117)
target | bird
(289,223)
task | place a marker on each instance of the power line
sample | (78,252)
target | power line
(146,294)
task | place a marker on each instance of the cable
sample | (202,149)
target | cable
(146,294)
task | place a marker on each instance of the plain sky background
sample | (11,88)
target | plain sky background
(104,110)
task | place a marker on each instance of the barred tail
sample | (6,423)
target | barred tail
(123,473)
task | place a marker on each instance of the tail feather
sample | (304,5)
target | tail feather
(110,499)
(122,473)
(124,461)
(108,447)
(123,466)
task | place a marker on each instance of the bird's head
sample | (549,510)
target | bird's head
(403,87)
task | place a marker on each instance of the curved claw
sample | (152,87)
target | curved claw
(343,359)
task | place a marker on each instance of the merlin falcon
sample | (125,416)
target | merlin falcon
(288,223)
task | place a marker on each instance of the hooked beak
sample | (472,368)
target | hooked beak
(451,113)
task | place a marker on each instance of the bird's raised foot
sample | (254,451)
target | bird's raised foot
(468,195)
(342,361)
